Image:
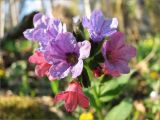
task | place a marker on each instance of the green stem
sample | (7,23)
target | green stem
(99,112)
(100,116)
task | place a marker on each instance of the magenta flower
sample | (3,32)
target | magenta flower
(98,26)
(42,66)
(73,96)
(45,30)
(66,55)
(117,54)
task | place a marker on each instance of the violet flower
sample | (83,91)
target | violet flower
(98,26)
(117,54)
(45,30)
(66,55)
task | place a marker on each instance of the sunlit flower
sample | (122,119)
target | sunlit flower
(73,97)
(42,66)
(45,30)
(117,54)
(98,26)
(66,55)
(86,116)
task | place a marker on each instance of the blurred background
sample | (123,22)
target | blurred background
(25,96)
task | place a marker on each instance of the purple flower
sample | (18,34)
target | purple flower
(117,54)
(98,26)
(45,30)
(66,55)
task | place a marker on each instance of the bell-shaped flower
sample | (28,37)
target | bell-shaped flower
(46,28)
(66,55)
(117,54)
(73,97)
(98,26)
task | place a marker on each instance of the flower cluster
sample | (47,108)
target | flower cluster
(60,54)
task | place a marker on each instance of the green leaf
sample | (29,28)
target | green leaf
(121,111)
(107,86)
(55,86)
(89,72)
(114,83)
(112,88)
(86,33)
(111,94)
(91,97)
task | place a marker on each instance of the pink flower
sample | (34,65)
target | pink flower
(117,54)
(42,66)
(73,96)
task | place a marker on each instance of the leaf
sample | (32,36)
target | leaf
(55,86)
(121,111)
(112,84)
(111,94)
(91,97)
(109,85)
(112,88)
(89,72)
(86,33)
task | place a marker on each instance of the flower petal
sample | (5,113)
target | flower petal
(83,101)
(37,58)
(53,54)
(114,23)
(84,50)
(61,96)
(71,102)
(85,22)
(76,70)
(110,66)
(41,21)
(42,69)
(116,41)
(60,70)
(66,42)
(97,20)
(29,34)
(122,66)
(109,27)
(42,36)
(37,20)
(126,53)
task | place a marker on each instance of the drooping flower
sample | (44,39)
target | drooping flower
(117,54)
(45,30)
(73,97)
(42,66)
(66,55)
(98,26)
